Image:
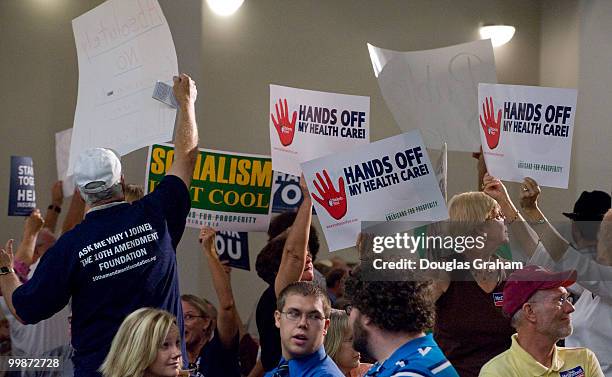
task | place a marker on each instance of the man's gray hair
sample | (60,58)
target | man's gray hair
(517,319)
(115,191)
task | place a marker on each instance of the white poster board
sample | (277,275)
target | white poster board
(527,131)
(306,124)
(436,91)
(123,48)
(391,179)
(62,156)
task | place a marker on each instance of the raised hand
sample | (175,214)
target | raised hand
(6,255)
(207,238)
(34,223)
(284,127)
(495,189)
(333,201)
(185,90)
(489,125)
(530,191)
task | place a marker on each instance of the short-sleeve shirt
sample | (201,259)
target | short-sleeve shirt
(118,259)
(566,362)
(419,357)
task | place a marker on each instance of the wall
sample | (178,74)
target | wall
(317,44)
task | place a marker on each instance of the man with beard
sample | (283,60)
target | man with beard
(389,319)
(302,316)
(538,302)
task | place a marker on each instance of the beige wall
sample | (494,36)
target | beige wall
(318,44)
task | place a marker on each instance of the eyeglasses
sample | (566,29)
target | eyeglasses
(295,315)
(190,317)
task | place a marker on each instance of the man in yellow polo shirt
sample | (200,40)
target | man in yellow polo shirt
(537,302)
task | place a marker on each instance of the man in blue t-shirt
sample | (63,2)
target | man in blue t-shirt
(389,319)
(121,257)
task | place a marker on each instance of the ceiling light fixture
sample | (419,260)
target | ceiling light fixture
(224,7)
(498,34)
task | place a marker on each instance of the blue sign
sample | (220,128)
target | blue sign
(234,247)
(286,193)
(22,194)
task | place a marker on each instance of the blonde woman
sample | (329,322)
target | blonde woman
(339,345)
(470,326)
(147,345)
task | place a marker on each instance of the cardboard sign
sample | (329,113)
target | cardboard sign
(62,156)
(436,91)
(229,191)
(527,131)
(305,124)
(234,248)
(123,48)
(391,179)
(22,194)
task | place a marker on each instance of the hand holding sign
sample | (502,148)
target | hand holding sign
(184,89)
(489,125)
(284,127)
(333,201)
(495,189)
(207,239)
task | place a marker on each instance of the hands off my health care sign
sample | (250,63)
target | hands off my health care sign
(306,124)
(526,131)
(391,179)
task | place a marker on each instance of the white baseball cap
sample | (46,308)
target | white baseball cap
(97,170)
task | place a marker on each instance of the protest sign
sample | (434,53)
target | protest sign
(123,48)
(306,124)
(234,248)
(62,156)
(527,131)
(286,193)
(436,91)
(229,191)
(22,194)
(391,179)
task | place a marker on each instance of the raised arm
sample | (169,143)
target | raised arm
(527,238)
(8,280)
(25,250)
(227,324)
(295,250)
(53,211)
(186,135)
(554,243)
(76,212)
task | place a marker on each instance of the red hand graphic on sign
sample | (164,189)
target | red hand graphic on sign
(333,201)
(489,125)
(284,127)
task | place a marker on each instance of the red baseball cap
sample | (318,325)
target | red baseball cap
(522,284)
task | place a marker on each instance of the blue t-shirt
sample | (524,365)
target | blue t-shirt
(317,364)
(117,260)
(418,357)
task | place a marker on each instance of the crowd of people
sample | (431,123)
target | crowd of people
(75,298)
